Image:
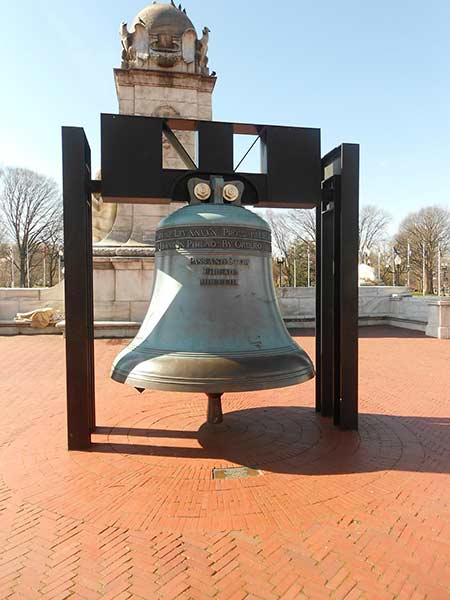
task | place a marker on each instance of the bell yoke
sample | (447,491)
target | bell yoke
(213,323)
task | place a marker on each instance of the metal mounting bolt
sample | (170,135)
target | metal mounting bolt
(230,192)
(202,191)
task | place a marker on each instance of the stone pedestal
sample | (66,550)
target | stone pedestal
(164,73)
(439,319)
(122,288)
(164,93)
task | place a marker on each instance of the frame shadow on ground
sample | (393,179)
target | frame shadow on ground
(296,440)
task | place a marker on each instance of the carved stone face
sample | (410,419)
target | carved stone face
(164,36)
(165,49)
(166,43)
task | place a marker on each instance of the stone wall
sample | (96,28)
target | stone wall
(411,313)
(377,305)
(150,92)
(15,300)
(122,291)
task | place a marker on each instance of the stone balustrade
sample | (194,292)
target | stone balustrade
(122,293)
(378,305)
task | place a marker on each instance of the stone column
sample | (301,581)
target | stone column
(164,73)
(439,319)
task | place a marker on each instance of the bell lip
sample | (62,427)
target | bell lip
(235,372)
(217,386)
(292,349)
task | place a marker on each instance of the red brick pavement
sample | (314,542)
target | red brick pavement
(334,514)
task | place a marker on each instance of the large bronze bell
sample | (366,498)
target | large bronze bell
(213,324)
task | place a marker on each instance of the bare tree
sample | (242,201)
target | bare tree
(373,222)
(31,207)
(293,235)
(302,225)
(281,232)
(425,231)
(3,232)
(53,239)
(3,235)
(282,240)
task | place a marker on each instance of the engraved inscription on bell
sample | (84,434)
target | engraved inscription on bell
(214,238)
(223,270)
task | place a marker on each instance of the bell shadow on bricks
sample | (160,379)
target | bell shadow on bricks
(296,440)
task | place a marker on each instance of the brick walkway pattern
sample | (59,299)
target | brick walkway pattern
(333,515)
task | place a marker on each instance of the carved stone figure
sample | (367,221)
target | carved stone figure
(203,50)
(40,318)
(126,40)
(189,40)
(162,36)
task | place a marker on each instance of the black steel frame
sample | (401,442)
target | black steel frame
(290,171)
(79,296)
(336,286)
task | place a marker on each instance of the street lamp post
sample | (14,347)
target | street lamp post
(393,271)
(408,264)
(44,252)
(309,267)
(60,258)
(4,261)
(424,253)
(11,254)
(280,261)
(439,272)
(28,266)
(397,263)
(444,273)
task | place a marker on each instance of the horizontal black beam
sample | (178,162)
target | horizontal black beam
(132,164)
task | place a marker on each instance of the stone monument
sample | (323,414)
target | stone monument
(164,73)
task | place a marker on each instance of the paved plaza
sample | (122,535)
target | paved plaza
(333,514)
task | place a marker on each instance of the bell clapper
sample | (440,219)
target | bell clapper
(215,415)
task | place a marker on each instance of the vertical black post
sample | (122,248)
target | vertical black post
(215,147)
(318,306)
(337,299)
(78,288)
(327,309)
(349,227)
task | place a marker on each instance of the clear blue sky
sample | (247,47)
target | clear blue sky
(373,73)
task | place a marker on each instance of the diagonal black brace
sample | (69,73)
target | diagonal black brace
(178,147)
